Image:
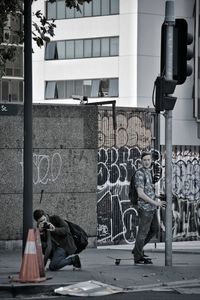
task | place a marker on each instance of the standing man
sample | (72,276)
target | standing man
(57,241)
(147,208)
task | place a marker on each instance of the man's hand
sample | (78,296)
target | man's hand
(51,227)
(46,226)
(161,204)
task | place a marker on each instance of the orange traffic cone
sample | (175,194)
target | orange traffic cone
(29,271)
(39,253)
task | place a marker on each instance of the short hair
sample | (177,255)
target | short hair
(145,153)
(38,213)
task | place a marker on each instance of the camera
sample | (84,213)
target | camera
(46,225)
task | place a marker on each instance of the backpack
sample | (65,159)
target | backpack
(79,235)
(133,195)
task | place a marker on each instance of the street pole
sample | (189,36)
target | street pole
(170,22)
(28,155)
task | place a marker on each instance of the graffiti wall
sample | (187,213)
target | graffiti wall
(118,155)
(185,192)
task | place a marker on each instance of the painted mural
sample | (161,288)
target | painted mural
(118,155)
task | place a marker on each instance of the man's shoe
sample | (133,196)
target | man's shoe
(143,261)
(76,262)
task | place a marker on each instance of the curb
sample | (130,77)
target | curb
(167,285)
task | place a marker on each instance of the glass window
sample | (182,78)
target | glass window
(69,88)
(79,87)
(96,8)
(50,50)
(50,90)
(95,88)
(70,49)
(21,90)
(114,46)
(96,50)
(87,48)
(78,48)
(61,89)
(113,88)
(14,90)
(70,12)
(103,90)
(105,47)
(79,13)
(61,49)
(51,10)
(61,9)
(105,7)
(5,91)
(87,8)
(114,7)
(87,87)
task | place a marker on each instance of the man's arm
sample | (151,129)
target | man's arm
(146,198)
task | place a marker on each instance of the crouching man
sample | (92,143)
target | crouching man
(57,242)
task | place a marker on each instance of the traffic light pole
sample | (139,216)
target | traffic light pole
(170,22)
(28,156)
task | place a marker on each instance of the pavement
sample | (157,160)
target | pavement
(97,264)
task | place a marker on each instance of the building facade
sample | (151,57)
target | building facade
(111,50)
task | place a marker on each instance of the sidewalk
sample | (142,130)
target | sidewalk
(97,265)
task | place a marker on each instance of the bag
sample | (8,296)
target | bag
(79,235)
(133,195)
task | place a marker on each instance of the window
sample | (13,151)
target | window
(105,47)
(61,9)
(50,50)
(114,46)
(50,92)
(61,50)
(15,67)
(61,89)
(70,13)
(88,9)
(58,9)
(98,47)
(105,4)
(87,86)
(78,48)
(114,7)
(69,49)
(96,7)
(113,88)
(93,88)
(11,90)
(51,10)
(87,48)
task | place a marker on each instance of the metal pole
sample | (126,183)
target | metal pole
(170,22)
(28,156)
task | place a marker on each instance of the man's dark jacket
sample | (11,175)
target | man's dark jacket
(61,236)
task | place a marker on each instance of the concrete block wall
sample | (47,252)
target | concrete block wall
(64,166)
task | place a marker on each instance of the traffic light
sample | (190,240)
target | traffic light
(181,53)
(163,100)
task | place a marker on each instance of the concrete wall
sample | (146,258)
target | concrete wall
(64,166)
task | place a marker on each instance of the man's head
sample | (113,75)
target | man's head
(146,159)
(39,216)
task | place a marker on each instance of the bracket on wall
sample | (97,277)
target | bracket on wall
(84,100)
(113,102)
